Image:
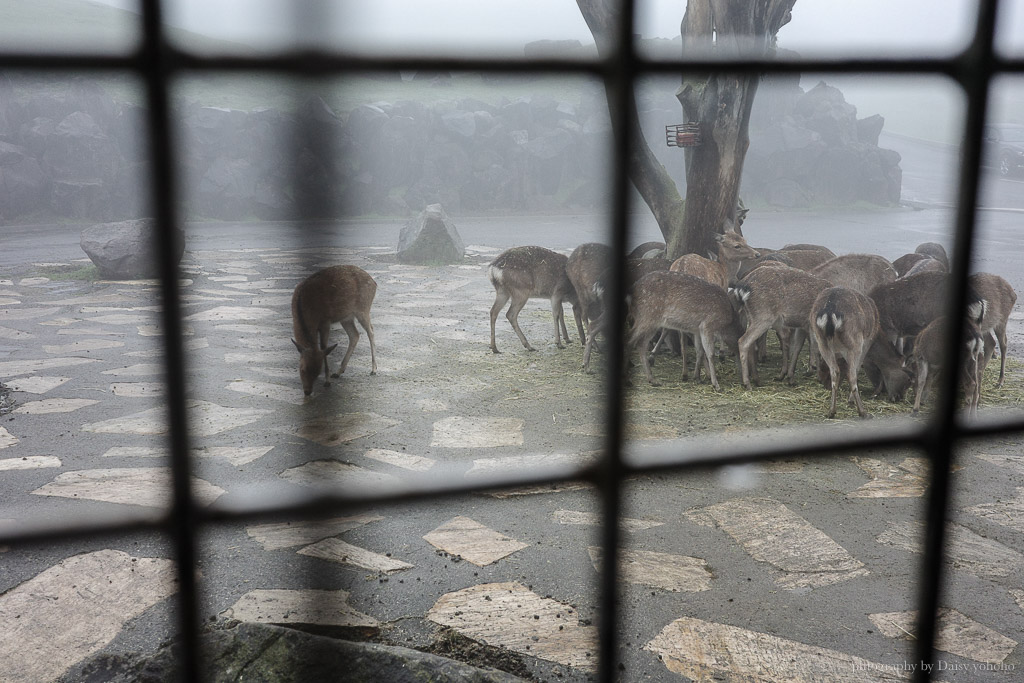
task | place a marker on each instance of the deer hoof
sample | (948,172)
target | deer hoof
(655,383)
(335,374)
(373,372)
(494,349)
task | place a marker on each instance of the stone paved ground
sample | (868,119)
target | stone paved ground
(796,570)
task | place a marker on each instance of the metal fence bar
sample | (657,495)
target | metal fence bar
(157,62)
(618,81)
(975,77)
(183,527)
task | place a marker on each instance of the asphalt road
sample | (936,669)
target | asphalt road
(803,567)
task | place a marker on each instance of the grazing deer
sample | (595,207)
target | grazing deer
(805,259)
(648,250)
(686,304)
(859,272)
(636,268)
(809,247)
(721,271)
(586,264)
(928,356)
(336,294)
(926,265)
(934,250)
(907,305)
(844,322)
(999,298)
(776,298)
(523,273)
(906,262)
(884,367)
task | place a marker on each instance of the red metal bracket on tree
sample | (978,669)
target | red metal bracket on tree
(683,135)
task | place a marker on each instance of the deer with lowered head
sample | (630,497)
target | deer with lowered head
(999,299)
(585,266)
(927,356)
(337,294)
(777,298)
(530,272)
(687,304)
(844,322)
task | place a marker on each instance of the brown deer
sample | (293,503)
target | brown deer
(530,272)
(805,259)
(777,298)
(934,250)
(732,249)
(636,268)
(906,262)
(686,304)
(585,266)
(337,294)
(907,305)
(1000,299)
(648,250)
(884,367)
(927,356)
(844,322)
(859,272)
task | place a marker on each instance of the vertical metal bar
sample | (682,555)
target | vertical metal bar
(620,71)
(975,77)
(156,71)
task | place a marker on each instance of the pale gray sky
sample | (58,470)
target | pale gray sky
(913,26)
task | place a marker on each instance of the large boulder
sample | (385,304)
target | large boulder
(430,238)
(126,250)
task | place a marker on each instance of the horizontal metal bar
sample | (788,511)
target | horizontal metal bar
(324,63)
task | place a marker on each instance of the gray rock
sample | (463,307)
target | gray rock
(430,238)
(125,250)
(261,652)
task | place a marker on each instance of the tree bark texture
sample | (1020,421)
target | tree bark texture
(719,102)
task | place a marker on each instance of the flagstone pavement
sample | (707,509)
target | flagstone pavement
(807,576)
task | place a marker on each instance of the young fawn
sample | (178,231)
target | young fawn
(337,294)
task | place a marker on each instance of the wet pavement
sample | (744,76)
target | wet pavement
(796,570)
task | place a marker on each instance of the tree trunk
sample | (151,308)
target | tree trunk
(719,102)
(649,177)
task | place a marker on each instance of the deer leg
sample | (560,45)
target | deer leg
(746,343)
(598,327)
(578,312)
(684,341)
(324,334)
(646,361)
(922,379)
(500,299)
(364,320)
(706,347)
(558,315)
(353,337)
(833,371)
(796,343)
(518,301)
(852,368)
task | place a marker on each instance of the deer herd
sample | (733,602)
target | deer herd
(857,311)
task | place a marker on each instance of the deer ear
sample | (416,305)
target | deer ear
(719,238)
(297,346)
(330,348)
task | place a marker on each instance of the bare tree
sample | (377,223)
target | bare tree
(719,102)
